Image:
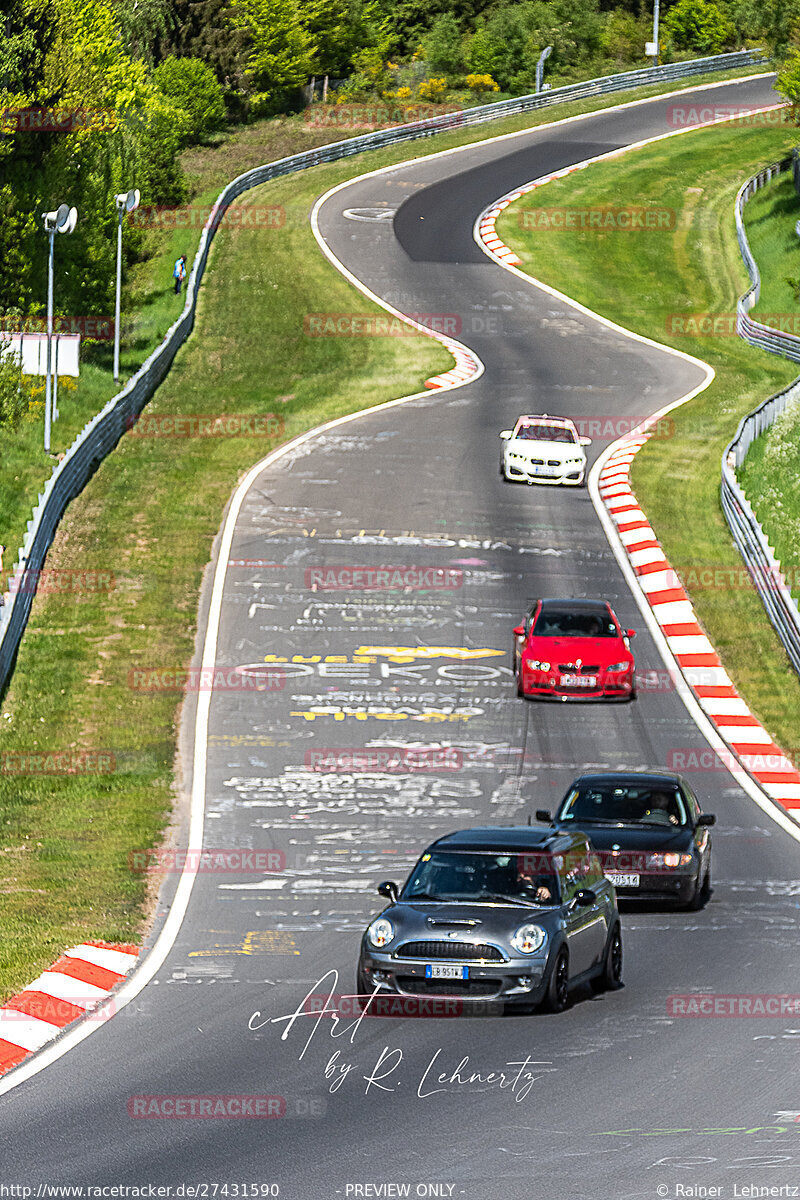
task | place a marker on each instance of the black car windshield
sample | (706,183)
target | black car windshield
(528,878)
(560,622)
(626,804)
(544,433)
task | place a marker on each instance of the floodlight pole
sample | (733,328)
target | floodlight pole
(540,66)
(125,202)
(655,31)
(120,211)
(51,233)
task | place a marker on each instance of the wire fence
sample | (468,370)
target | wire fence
(103,432)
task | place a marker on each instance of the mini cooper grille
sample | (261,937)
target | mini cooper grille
(464,951)
(583,669)
(469,988)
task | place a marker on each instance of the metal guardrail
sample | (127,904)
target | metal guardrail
(748,534)
(103,432)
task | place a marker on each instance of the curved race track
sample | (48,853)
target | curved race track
(624,1101)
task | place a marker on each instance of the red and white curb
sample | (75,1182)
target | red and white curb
(485,229)
(698,660)
(467,367)
(73,987)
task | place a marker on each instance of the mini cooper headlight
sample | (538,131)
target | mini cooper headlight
(380,933)
(528,939)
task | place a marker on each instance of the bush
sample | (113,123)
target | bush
(432,89)
(193,88)
(14,396)
(479,84)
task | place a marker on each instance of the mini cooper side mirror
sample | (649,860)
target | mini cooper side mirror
(706,819)
(543,815)
(506,434)
(389,890)
(519,631)
(585,897)
(630,633)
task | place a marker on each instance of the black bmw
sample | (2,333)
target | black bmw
(648,830)
(514,914)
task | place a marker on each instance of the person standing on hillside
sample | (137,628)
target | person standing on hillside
(179,273)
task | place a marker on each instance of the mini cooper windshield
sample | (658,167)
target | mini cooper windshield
(505,878)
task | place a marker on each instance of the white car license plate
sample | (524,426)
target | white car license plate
(585,681)
(620,880)
(539,469)
(446,971)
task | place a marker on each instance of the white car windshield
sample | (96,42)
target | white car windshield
(544,433)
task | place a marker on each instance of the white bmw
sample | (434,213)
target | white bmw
(544,449)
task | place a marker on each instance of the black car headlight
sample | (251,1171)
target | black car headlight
(380,933)
(528,939)
(672,861)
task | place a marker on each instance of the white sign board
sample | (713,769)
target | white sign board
(651,49)
(30,349)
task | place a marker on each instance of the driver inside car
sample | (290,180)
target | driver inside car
(662,809)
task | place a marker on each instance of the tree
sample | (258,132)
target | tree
(339,29)
(443,46)
(282,52)
(699,25)
(192,86)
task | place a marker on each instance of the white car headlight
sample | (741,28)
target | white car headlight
(528,939)
(380,933)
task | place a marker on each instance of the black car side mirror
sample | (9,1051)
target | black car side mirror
(585,897)
(543,815)
(389,890)
(706,819)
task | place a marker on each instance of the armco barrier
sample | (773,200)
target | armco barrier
(104,431)
(747,532)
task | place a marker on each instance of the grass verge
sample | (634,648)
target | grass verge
(148,517)
(643,282)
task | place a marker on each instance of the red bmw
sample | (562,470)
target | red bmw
(574,649)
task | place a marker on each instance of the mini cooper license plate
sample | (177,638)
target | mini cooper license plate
(581,681)
(446,971)
(620,880)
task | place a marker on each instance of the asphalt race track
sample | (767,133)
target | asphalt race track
(612,1099)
